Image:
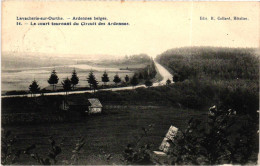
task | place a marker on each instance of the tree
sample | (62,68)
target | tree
(92,81)
(146,72)
(117,79)
(66,85)
(34,87)
(54,79)
(105,78)
(74,79)
(134,81)
(168,82)
(141,76)
(152,71)
(148,83)
(176,77)
(126,78)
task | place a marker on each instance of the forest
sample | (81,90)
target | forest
(213,101)
(216,75)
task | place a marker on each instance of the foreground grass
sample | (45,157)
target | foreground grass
(105,134)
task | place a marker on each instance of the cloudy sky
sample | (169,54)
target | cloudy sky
(153,27)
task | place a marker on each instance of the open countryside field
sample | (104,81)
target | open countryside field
(105,134)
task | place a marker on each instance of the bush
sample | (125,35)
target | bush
(225,138)
(9,153)
(138,153)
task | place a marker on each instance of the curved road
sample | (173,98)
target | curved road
(163,72)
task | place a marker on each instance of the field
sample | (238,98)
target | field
(105,134)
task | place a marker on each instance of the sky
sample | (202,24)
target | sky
(154,27)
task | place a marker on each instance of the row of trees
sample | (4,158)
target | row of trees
(70,84)
(54,79)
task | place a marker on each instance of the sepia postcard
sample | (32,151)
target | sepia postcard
(129,82)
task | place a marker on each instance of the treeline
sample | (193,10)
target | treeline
(125,61)
(146,73)
(211,62)
(215,75)
(140,76)
(140,58)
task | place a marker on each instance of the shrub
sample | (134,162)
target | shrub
(9,154)
(137,153)
(220,140)
(54,151)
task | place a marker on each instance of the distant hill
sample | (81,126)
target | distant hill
(32,60)
(212,63)
(11,61)
(209,51)
(127,60)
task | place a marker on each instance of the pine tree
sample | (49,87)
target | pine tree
(126,78)
(148,83)
(34,87)
(66,85)
(152,71)
(54,79)
(105,78)
(117,79)
(146,72)
(134,81)
(92,81)
(175,77)
(74,79)
(141,76)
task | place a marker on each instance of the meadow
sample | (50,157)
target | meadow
(105,134)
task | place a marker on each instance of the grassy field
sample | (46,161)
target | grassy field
(105,134)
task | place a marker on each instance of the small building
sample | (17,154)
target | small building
(91,106)
(95,106)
